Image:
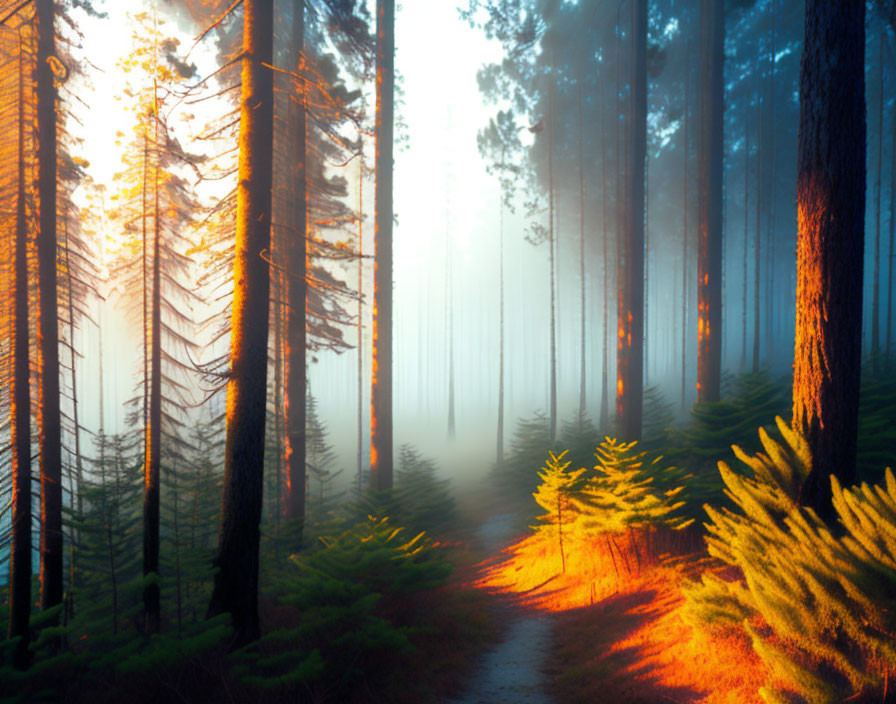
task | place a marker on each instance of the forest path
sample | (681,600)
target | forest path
(513,671)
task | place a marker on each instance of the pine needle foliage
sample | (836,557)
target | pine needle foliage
(419,500)
(818,608)
(555,494)
(345,592)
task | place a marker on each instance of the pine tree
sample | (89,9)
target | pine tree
(555,495)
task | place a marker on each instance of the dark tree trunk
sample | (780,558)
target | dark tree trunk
(153,427)
(381,386)
(830,247)
(710,174)
(757,247)
(236,581)
(582,382)
(552,236)
(296,250)
(686,232)
(630,360)
(20,412)
(875,283)
(50,428)
(743,334)
(500,435)
(604,423)
(890,253)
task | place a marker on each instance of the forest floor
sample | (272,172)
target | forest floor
(590,630)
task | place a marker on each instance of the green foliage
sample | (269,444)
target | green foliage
(419,501)
(818,608)
(657,419)
(877,431)
(345,593)
(715,427)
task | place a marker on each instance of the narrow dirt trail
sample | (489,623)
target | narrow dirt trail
(513,671)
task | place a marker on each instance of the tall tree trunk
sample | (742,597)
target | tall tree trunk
(236,581)
(582,382)
(500,435)
(604,422)
(830,246)
(875,282)
(552,235)
(709,262)
(360,313)
(630,362)
(686,233)
(890,253)
(153,428)
(381,387)
(757,247)
(50,425)
(20,411)
(743,334)
(770,307)
(449,324)
(296,256)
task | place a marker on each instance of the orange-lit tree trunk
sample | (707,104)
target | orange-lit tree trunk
(236,580)
(630,358)
(296,249)
(709,259)
(381,386)
(20,411)
(830,244)
(153,426)
(49,425)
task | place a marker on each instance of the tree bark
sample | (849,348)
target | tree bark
(630,364)
(710,175)
(381,451)
(236,581)
(875,282)
(830,246)
(153,427)
(296,262)
(757,247)
(20,412)
(686,233)
(49,425)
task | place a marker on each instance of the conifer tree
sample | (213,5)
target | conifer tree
(555,495)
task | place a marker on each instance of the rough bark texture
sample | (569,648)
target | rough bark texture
(830,247)
(381,387)
(153,427)
(236,581)
(709,260)
(630,364)
(49,419)
(20,414)
(296,259)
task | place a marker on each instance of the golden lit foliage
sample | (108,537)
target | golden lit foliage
(818,607)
